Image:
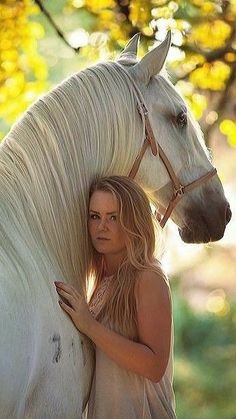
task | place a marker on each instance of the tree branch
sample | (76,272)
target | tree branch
(54,25)
(217,54)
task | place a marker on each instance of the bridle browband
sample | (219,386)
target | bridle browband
(149,140)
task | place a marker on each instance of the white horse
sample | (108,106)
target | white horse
(87,126)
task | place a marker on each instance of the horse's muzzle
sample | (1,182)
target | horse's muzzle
(205,227)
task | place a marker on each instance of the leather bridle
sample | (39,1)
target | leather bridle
(179,189)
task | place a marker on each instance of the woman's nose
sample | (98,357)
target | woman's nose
(102,225)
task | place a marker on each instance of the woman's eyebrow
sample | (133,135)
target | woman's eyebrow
(108,213)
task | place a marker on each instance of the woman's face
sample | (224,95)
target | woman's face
(104,226)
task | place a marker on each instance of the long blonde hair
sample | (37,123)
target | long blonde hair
(140,228)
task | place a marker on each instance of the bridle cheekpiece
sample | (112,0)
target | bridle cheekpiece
(179,190)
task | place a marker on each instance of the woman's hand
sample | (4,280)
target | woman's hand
(77,308)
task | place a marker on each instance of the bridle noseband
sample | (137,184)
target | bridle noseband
(179,189)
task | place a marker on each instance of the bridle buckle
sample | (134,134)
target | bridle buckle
(179,191)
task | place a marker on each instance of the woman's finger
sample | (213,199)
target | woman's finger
(65,307)
(67,296)
(68,288)
(63,286)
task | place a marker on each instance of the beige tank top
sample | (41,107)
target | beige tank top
(117,393)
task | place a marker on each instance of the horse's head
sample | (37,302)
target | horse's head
(202,214)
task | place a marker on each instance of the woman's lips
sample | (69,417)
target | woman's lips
(102,238)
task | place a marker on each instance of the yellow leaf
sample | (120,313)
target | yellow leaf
(211,76)
(228,127)
(211,34)
(36,30)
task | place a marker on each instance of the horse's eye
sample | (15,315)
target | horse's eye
(181,119)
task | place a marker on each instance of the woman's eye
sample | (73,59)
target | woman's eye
(93,216)
(113,218)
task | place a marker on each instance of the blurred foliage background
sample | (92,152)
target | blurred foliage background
(42,42)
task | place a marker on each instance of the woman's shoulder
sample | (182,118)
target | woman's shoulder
(153,272)
(152,280)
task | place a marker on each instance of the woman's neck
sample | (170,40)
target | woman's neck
(112,263)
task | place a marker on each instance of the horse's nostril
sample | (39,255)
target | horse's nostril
(228,214)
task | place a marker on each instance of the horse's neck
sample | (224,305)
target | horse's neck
(32,231)
(53,154)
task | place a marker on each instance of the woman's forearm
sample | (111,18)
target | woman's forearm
(130,355)
(136,357)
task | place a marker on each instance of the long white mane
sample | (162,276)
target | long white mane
(81,129)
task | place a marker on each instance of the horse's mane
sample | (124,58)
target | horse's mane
(81,129)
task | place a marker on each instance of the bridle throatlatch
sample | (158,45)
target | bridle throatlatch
(179,189)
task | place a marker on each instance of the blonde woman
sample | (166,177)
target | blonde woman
(129,315)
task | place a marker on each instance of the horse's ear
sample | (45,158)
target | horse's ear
(152,63)
(129,54)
